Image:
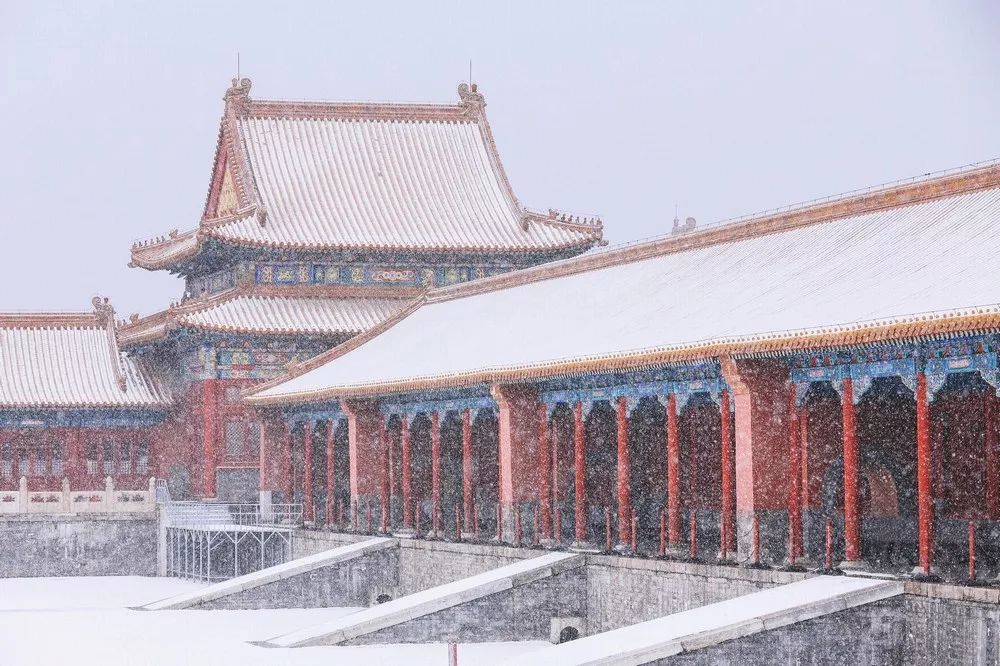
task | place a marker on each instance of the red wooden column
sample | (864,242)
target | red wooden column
(517,441)
(544,471)
(580,458)
(804,454)
(209,428)
(100,460)
(264,457)
(925,506)
(72,470)
(287,487)
(331,428)
(365,455)
(992,461)
(407,475)
(794,476)
(852,508)
(555,436)
(385,492)
(436,471)
(728,476)
(468,489)
(48,461)
(673,475)
(624,477)
(309,507)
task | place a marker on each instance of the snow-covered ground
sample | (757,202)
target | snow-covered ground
(84,621)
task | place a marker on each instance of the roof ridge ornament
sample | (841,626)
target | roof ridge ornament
(103,310)
(470,98)
(104,313)
(237,96)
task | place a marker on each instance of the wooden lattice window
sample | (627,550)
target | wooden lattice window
(235,438)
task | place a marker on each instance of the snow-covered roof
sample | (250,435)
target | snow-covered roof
(277,315)
(375,176)
(71,360)
(847,271)
(327,311)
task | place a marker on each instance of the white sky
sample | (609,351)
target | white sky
(110,110)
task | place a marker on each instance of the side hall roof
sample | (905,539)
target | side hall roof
(367,176)
(72,360)
(848,271)
(265,310)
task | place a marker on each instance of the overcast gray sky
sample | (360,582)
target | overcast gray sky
(110,110)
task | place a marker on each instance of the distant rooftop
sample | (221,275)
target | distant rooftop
(371,176)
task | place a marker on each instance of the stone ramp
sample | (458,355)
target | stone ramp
(343,576)
(513,602)
(679,634)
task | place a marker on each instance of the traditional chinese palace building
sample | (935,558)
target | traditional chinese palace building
(322,220)
(373,325)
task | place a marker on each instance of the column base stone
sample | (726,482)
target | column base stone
(854,565)
(584,547)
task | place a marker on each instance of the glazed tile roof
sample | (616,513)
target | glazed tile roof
(266,311)
(851,271)
(70,361)
(315,175)
(278,315)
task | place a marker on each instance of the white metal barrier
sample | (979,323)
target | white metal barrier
(212,541)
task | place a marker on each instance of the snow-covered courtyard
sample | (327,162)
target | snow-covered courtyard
(91,621)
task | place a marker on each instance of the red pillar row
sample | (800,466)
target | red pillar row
(624,477)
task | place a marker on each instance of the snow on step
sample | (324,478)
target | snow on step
(712,624)
(430,601)
(272,574)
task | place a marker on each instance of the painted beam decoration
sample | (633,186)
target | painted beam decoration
(234,357)
(301,273)
(80,418)
(936,359)
(682,381)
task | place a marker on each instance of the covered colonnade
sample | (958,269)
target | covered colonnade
(760,391)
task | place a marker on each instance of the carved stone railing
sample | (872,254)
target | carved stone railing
(80,501)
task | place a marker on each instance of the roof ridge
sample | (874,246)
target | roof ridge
(909,193)
(104,314)
(467,109)
(53,319)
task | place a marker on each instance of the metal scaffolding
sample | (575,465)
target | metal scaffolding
(213,542)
